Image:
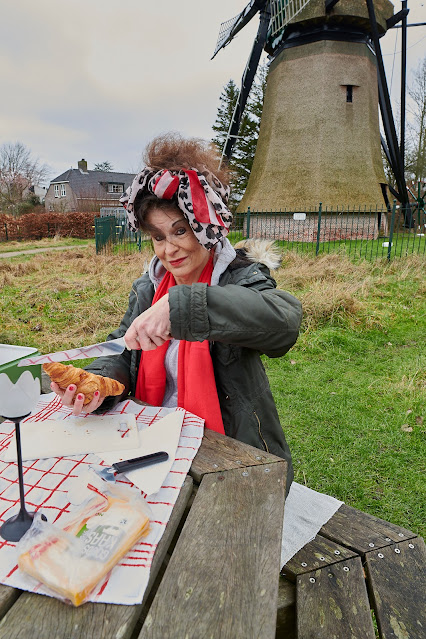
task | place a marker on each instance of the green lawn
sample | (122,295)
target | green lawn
(9,247)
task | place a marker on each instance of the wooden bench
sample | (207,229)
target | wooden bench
(215,573)
(359,572)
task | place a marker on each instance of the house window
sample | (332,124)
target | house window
(349,92)
(63,190)
(115,188)
(56,190)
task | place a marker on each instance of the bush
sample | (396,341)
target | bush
(36,226)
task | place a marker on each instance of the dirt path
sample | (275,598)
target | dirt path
(43,250)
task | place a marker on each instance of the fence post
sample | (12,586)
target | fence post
(248,221)
(5,228)
(319,228)
(391,230)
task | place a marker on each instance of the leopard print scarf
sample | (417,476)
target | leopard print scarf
(201,197)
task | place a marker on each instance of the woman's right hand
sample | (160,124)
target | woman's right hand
(71,400)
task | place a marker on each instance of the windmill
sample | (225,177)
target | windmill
(319,136)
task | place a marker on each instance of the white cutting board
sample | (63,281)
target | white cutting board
(163,434)
(75,436)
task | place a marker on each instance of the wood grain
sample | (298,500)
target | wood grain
(48,618)
(318,553)
(286,610)
(8,596)
(222,579)
(332,603)
(398,586)
(219,452)
(362,532)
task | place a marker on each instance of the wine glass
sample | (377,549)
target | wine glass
(17,401)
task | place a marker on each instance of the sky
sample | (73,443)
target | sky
(98,79)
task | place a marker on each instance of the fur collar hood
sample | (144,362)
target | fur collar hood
(264,251)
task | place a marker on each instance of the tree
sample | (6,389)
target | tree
(103,166)
(18,172)
(416,139)
(245,145)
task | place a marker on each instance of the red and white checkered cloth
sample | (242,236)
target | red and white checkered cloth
(48,481)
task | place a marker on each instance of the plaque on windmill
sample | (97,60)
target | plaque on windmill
(319,138)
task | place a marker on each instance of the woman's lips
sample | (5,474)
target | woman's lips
(177,262)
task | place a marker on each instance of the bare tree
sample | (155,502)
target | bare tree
(103,166)
(416,139)
(18,172)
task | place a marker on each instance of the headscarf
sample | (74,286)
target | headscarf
(201,197)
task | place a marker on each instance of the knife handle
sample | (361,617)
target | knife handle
(140,462)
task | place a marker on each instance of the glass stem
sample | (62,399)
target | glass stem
(20,470)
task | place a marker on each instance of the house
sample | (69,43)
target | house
(83,190)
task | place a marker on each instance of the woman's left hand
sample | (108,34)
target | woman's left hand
(152,328)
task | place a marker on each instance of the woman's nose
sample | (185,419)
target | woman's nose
(170,247)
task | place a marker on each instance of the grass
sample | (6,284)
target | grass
(12,246)
(350,394)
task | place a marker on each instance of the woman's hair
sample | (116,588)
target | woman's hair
(173,152)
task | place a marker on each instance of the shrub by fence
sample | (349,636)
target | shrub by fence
(35,226)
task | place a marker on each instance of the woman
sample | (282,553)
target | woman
(199,319)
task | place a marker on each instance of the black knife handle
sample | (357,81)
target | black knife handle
(140,462)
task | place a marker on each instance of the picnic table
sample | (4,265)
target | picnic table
(215,573)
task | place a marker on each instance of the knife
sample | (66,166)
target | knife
(112,347)
(131,464)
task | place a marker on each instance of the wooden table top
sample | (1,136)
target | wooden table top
(215,572)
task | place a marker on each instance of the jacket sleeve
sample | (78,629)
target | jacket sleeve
(250,313)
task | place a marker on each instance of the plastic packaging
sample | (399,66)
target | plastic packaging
(72,560)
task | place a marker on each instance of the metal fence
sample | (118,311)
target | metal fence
(360,233)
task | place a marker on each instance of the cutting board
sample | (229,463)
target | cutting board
(75,436)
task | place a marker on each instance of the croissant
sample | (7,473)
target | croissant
(87,383)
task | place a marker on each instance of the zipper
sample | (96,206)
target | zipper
(260,432)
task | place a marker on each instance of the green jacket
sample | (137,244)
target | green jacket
(242,317)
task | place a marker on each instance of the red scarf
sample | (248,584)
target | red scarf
(197,391)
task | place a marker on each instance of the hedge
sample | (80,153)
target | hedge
(35,226)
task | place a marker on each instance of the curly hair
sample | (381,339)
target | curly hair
(172,151)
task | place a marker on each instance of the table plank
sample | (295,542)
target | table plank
(219,452)
(222,579)
(8,596)
(317,553)
(332,603)
(39,616)
(398,586)
(362,532)
(286,610)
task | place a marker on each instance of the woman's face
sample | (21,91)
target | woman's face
(176,246)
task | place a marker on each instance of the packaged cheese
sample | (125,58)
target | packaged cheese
(72,560)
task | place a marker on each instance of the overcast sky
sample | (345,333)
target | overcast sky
(99,78)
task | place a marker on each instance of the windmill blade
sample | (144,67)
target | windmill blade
(229,29)
(282,11)
(388,121)
(246,82)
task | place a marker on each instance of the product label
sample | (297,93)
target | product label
(102,534)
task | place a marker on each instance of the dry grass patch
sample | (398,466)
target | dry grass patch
(335,290)
(65,299)
(62,299)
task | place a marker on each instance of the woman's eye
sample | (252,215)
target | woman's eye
(181,231)
(157,238)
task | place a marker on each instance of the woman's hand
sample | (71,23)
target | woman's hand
(152,328)
(76,402)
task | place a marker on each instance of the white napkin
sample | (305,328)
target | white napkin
(162,435)
(305,512)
